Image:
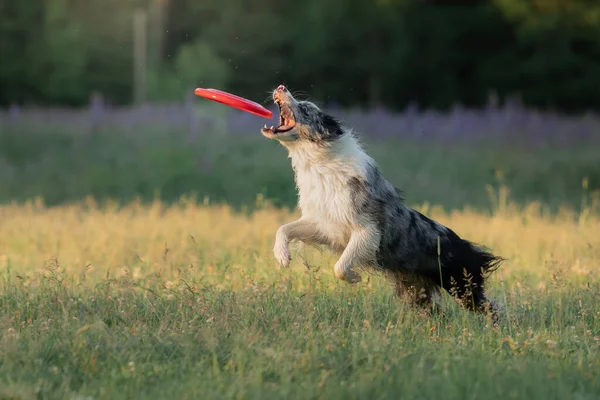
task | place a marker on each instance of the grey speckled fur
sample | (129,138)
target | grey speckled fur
(409,246)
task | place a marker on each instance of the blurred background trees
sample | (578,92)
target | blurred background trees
(346,52)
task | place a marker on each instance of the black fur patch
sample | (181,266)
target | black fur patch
(409,243)
(465,267)
(331,126)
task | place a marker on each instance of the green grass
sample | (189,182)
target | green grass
(185,302)
(114,164)
(123,341)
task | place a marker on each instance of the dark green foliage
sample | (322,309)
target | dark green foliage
(353,53)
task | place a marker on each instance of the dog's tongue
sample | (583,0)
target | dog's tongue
(283,128)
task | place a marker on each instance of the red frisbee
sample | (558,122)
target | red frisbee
(234,101)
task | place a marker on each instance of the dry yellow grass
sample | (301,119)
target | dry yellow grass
(148,239)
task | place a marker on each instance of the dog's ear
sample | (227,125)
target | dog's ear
(331,127)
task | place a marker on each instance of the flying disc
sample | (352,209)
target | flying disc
(234,101)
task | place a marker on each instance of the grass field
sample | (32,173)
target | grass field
(185,302)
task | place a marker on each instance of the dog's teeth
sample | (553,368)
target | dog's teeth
(265,126)
(271,127)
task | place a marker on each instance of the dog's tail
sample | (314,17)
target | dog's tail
(465,267)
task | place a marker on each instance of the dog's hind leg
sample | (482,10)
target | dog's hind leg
(416,290)
(360,252)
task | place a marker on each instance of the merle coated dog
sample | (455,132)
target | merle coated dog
(348,206)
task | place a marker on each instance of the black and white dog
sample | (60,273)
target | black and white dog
(347,205)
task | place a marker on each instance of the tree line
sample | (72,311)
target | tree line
(360,53)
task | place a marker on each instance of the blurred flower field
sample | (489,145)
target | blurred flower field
(198,147)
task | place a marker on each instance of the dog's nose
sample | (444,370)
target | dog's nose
(281,88)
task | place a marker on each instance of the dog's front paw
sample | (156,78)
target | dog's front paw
(282,255)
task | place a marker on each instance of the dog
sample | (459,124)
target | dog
(347,205)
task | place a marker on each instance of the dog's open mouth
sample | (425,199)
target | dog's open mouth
(287,121)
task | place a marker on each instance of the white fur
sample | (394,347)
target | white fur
(325,201)
(322,179)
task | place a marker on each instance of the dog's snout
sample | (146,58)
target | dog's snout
(281,94)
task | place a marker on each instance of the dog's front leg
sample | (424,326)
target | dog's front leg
(360,252)
(301,230)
